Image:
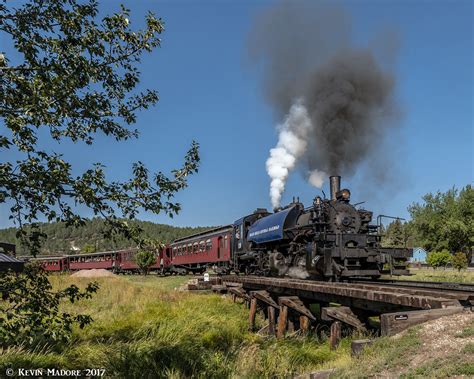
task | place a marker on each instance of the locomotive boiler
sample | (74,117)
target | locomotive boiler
(330,240)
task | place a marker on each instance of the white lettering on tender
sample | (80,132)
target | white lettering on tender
(263,231)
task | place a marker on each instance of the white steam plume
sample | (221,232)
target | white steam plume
(292,144)
(316,178)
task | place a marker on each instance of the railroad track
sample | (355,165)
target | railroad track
(421,295)
(441,286)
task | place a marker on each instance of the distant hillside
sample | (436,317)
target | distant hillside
(64,240)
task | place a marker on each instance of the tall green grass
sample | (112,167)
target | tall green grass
(144,328)
(439,275)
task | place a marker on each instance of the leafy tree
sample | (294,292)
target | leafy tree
(75,76)
(144,259)
(410,236)
(88,248)
(29,310)
(394,236)
(439,258)
(445,220)
(459,261)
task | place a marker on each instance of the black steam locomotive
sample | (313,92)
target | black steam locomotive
(329,240)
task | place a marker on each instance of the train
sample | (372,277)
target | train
(330,240)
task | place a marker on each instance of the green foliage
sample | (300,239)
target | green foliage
(439,258)
(87,249)
(469,348)
(30,309)
(75,76)
(429,275)
(445,220)
(466,332)
(459,261)
(395,235)
(144,259)
(61,238)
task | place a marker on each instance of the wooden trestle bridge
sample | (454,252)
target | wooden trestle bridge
(292,304)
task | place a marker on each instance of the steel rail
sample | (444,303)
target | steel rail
(441,286)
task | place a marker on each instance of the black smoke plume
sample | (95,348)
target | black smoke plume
(308,57)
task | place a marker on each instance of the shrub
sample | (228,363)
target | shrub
(145,259)
(439,258)
(459,261)
(88,248)
(29,312)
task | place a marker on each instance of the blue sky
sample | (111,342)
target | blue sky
(208,92)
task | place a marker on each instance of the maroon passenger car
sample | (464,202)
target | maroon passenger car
(53,263)
(126,260)
(199,251)
(105,260)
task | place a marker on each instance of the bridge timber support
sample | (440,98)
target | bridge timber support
(292,306)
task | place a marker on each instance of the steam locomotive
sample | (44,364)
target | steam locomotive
(329,240)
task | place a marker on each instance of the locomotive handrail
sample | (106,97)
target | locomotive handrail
(379,220)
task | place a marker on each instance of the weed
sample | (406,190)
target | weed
(466,332)
(469,348)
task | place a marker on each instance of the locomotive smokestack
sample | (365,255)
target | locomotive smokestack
(334,186)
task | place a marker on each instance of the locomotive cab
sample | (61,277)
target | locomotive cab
(242,247)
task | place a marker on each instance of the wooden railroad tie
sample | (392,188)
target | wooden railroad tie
(265,298)
(238,292)
(338,315)
(218,288)
(294,303)
(343,314)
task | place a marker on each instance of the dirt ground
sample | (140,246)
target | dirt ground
(94,273)
(445,339)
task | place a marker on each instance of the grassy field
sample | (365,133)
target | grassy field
(440,275)
(145,327)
